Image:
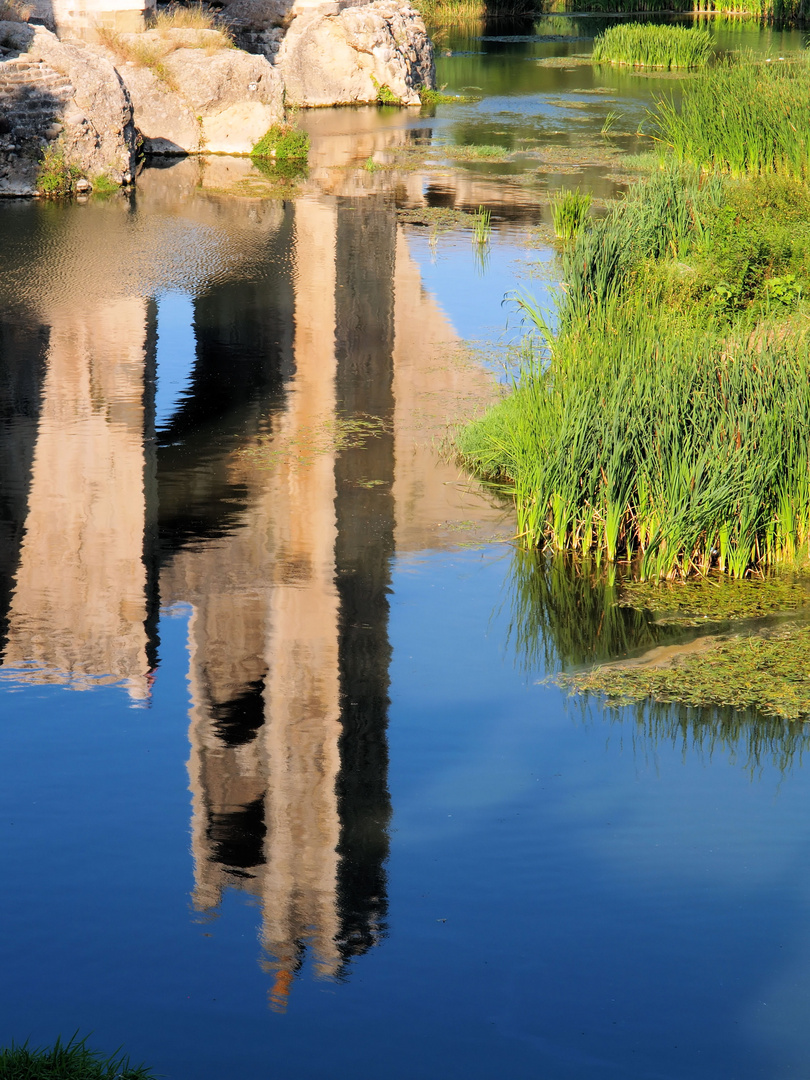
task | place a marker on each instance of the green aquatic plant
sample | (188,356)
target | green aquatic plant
(475,152)
(67,1061)
(283,143)
(438,97)
(569,212)
(652,45)
(481,226)
(385,95)
(742,118)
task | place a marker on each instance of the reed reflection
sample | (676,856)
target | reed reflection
(566,615)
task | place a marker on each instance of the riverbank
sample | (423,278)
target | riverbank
(667,419)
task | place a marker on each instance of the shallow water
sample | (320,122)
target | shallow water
(283,792)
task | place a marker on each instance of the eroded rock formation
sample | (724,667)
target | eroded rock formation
(55,91)
(184,91)
(192,92)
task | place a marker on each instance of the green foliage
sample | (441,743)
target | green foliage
(438,97)
(56,176)
(656,427)
(650,45)
(283,143)
(742,118)
(103,185)
(66,1061)
(569,212)
(385,95)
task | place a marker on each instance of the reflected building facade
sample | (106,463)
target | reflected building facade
(294,465)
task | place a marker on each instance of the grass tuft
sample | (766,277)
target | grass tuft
(569,212)
(56,176)
(67,1061)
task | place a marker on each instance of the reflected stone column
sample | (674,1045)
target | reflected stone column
(79,607)
(299,887)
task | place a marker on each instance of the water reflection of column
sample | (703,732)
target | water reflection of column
(79,607)
(364,548)
(299,879)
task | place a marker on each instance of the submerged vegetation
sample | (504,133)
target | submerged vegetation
(67,1061)
(768,674)
(650,45)
(668,422)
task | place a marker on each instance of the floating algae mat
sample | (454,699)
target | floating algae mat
(708,600)
(766,669)
(770,674)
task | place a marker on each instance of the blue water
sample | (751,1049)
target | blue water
(283,791)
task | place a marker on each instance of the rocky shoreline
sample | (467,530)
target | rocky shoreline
(97,108)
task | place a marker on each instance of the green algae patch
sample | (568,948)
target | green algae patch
(770,674)
(701,600)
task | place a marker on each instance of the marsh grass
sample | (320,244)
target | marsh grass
(743,118)
(67,1061)
(675,438)
(569,212)
(650,45)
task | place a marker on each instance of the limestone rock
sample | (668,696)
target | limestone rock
(341,54)
(192,92)
(50,89)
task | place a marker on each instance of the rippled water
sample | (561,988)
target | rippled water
(283,792)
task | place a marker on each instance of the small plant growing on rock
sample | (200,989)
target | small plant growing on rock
(283,143)
(56,176)
(385,95)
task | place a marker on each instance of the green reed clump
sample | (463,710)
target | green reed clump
(649,45)
(66,1061)
(676,437)
(663,217)
(743,119)
(684,449)
(569,212)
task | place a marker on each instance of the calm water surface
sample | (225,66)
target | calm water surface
(283,793)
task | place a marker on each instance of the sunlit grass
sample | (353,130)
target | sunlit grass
(742,118)
(649,45)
